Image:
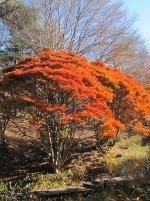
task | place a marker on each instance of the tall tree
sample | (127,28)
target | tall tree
(98,29)
(22,37)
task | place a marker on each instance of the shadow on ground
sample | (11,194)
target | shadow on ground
(19,157)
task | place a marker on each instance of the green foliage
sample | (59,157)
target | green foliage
(131,192)
(111,162)
(16,190)
(135,150)
(133,161)
(133,141)
(58,180)
(2,186)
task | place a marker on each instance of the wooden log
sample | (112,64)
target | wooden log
(63,191)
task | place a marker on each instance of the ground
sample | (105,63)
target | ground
(24,167)
(22,156)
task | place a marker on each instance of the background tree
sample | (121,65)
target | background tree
(101,30)
(21,32)
(4,11)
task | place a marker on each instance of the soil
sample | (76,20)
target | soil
(21,155)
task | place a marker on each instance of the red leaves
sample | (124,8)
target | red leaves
(130,99)
(79,89)
(140,128)
(42,105)
(110,128)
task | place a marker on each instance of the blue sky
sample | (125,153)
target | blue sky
(140,8)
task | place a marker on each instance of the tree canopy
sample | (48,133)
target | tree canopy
(78,89)
(62,91)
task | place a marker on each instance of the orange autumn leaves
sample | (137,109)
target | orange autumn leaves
(69,78)
(79,90)
(111,128)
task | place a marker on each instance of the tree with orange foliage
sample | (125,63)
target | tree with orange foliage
(131,101)
(59,91)
(63,91)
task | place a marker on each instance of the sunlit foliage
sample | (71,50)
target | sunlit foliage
(63,91)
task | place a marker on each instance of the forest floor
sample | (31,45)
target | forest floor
(22,157)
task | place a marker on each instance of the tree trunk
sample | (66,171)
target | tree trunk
(55,166)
